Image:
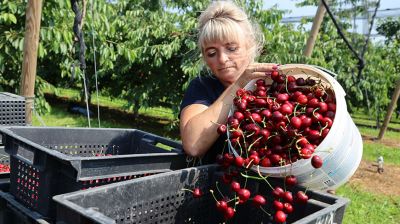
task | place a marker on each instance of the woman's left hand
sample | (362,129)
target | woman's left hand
(255,71)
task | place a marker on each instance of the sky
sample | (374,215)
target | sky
(387,7)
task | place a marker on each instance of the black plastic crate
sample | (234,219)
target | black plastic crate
(11,211)
(160,199)
(51,161)
(12,109)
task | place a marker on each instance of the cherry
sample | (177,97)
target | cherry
(301,197)
(240,92)
(235,186)
(244,195)
(239,161)
(238,115)
(228,158)
(300,81)
(287,196)
(326,121)
(280,217)
(222,205)
(277,205)
(287,208)
(265,162)
(316,161)
(277,116)
(302,99)
(221,129)
(266,113)
(295,122)
(197,193)
(229,213)
(290,180)
(277,192)
(259,200)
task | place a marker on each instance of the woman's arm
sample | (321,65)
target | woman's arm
(198,123)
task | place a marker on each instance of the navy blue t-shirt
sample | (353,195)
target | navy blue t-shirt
(205,90)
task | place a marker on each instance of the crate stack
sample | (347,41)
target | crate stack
(12,113)
(48,161)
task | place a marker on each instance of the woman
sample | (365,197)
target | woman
(229,43)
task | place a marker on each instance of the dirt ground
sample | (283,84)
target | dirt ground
(386,183)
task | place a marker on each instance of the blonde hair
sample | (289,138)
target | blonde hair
(224,20)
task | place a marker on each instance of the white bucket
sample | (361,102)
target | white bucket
(341,150)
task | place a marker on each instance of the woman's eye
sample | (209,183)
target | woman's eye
(210,53)
(232,48)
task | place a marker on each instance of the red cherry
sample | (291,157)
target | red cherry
(229,213)
(197,193)
(259,200)
(280,217)
(291,180)
(244,195)
(316,161)
(221,129)
(301,197)
(287,208)
(277,192)
(235,186)
(277,205)
(222,205)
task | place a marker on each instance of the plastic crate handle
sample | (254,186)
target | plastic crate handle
(24,154)
(152,141)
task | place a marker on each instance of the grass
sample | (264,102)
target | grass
(373,150)
(392,135)
(159,112)
(366,207)
(60,117)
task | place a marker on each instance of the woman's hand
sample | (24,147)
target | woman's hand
(255,71)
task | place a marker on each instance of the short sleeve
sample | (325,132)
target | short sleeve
(195,94)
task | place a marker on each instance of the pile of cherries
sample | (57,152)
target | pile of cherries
(273,125)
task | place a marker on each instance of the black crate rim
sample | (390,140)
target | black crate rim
(6,130)
(99,217)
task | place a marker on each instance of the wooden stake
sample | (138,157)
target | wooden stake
(319,16)
(31,42)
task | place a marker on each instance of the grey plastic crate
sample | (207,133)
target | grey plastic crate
(12,109)
(160,199)
(51,161)
(11,211)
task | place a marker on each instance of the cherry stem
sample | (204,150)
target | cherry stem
(251,145)
(212,193)
(262,209)
(219,191)
(185,189)
(264,178)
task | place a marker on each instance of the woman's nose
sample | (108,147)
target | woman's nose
(223,57)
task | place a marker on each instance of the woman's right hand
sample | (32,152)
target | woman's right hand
(255,71)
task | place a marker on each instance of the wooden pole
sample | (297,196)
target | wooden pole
(390,110)
(319,16)
(31,42)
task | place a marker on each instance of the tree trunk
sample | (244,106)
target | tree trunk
(136,108)
(31,44)
(390,109)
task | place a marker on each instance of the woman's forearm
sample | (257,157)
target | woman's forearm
(199,128)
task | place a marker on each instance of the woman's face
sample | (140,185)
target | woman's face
(227,60)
